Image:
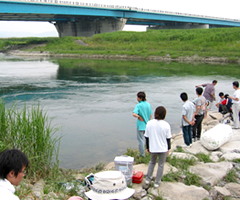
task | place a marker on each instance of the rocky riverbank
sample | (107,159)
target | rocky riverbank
(166,58)
(211,173)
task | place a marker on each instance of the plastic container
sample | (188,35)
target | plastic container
(137,177)
(125,165)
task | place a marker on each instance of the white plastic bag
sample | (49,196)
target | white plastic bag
(216,136)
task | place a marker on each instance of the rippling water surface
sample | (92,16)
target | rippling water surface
(92,101)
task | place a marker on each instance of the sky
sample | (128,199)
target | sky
(216,8)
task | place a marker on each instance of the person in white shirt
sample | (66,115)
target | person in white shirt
(188,109)
(12,169)
(158,135)
(236,104)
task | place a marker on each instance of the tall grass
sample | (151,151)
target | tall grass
(30,131)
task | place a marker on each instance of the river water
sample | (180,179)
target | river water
(92,100)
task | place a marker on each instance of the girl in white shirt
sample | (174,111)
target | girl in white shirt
(157,134)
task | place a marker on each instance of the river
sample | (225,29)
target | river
(92,100)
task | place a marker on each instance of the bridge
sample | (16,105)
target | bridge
(73,18)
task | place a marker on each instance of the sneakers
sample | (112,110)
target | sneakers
(147,182)
(156,185)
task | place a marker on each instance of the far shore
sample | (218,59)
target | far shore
(166,58)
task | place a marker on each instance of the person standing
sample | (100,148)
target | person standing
(12,169)
(188,110)
(236,104)
(209,92)
(158,135)
(200,105)
(143,113)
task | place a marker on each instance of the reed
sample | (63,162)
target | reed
(30,131)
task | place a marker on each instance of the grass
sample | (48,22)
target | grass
(203,157)
(30,131)
(217,42)
(231,176)
(180,163)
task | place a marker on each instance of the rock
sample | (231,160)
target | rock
(197,148)
(231,156)
(179,191)
(80,42)
(183,155)
(234,188)
(139,191)
(213,123)
(233,144)
(148,197)
(215,156)
(223,191)
(144,167)
(37,189)
(216,115)
(211,173)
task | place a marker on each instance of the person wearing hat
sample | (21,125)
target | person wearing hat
(109,185)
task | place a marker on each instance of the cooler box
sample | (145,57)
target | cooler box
(137,177)
(125,165)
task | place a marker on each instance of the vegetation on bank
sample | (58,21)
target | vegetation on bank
(217,42)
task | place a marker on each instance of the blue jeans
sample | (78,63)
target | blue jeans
(141,142)
(187,134)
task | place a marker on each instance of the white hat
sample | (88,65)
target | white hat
(109,185)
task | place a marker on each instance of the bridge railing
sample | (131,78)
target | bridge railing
(97,5)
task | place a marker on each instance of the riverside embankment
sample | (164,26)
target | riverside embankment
(217,178)
(195,45)
(166,58)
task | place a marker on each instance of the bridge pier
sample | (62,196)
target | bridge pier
(180,26)
(90,26)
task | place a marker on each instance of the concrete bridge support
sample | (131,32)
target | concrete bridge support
(181,26)
(89,27)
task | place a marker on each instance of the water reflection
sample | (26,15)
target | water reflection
(93,100)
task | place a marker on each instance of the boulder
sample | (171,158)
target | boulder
(234,188)
(179,191)
(211,173)
(144,167)
(183,155)
(231,156)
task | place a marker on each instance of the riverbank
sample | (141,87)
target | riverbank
(216,45)
(167,58)
(189,173)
